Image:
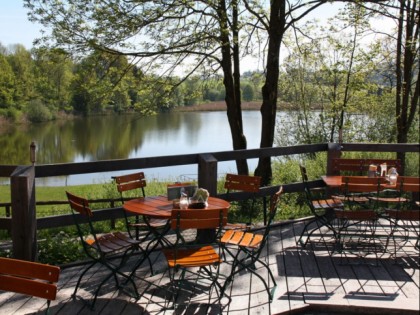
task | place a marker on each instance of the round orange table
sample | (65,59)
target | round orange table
(159,207)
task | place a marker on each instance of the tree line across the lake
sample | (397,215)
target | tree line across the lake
(41,83)
(38,84)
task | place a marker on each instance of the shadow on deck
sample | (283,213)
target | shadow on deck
(309,281)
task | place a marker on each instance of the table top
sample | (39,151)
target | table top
(160,207)
(335,181)
(332,181)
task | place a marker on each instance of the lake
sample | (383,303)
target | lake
(127,136)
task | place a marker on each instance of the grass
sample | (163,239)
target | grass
(91,191)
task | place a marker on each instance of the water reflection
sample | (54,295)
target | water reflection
(125,136)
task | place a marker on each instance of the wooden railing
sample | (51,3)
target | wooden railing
(23,224)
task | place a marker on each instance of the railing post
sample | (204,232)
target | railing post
(207,178)
(207,173)
(334,152)
(112,220)
(22,185)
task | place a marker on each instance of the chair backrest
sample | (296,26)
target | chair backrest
(408,180)
(389,163)
(246,183)
(352,165)
(29,278)
(307,191)
(360,184)
(82,215)
(361,166)
(408,184)
(274,202)
(198,219)
(131,182)
(409,215)
(303,173)
(79,205)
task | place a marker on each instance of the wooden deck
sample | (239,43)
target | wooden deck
(308,279)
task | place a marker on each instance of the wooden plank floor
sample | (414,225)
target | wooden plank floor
(307,278)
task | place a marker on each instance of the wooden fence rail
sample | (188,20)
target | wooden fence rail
(23,223)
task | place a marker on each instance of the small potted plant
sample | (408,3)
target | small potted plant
(199,199)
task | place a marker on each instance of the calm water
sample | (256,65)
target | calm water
(122,137)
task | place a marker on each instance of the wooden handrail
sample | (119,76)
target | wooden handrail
(23,196)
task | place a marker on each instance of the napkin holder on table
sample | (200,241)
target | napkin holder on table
(174,190)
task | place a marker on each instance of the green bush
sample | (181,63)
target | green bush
(11,114)
(38,112)
(60,248)
(286,171)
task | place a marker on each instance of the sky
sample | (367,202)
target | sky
(16,29)
(14,25)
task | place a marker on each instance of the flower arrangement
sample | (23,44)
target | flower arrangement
(199,199)
(201,194)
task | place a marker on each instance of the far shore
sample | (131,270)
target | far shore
(218,106)
(211,106)
(221,105)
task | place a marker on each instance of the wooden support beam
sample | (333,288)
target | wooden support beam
(334,152)
(207,178)
(22,185)
(207,173)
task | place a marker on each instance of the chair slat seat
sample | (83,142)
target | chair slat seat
(195,257)
(128,240)
(243,239)
(228,236)
(356,214)
(237,226)
(353,198)
(112,242)
(327,203)
(390,199)
(154,223)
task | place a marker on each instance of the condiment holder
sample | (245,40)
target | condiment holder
(393,176)
(372,171)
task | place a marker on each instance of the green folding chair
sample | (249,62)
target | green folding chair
(104,249)
(186,257)
(248,247)
(321,209)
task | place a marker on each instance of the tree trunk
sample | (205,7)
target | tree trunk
(231,82)
(270,88)
(407,94)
